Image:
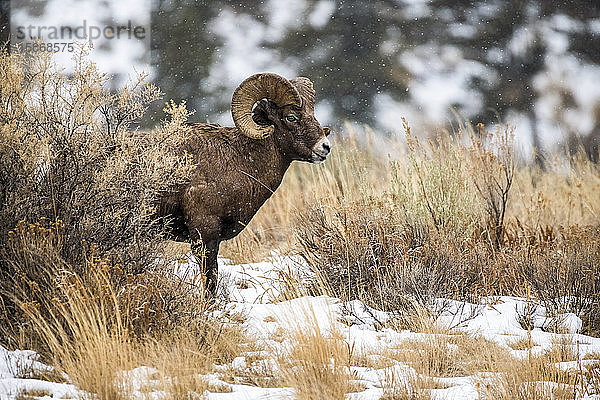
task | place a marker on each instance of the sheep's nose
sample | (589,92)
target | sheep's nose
(325,146)
(320,150)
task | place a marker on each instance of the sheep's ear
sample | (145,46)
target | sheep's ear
(260,112)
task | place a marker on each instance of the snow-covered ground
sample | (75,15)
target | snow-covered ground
(254,291)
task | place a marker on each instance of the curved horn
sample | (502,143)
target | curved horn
(261,86)
(307,92)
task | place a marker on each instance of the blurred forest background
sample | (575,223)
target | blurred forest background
(532,63)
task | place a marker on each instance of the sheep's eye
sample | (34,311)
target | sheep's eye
(291,118)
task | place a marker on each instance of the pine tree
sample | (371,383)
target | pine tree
(182,51)
(345,58)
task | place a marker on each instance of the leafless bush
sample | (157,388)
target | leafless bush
(365,250)
(565,275)
(76,184)
(66,154)
(492,170)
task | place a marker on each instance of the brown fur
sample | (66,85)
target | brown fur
(234,176)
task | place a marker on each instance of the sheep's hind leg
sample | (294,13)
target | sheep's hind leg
(206,256)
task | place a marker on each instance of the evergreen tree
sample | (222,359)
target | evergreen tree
(182,51)
(345,58)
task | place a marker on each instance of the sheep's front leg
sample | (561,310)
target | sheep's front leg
(206,256)
(212,267)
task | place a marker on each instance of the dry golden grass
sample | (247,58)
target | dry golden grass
(448,355)
(411,387)
(564,195)
(182,356)
(32,394)
(317,364)
(522,343)
(592,376)
(437,355)
(564,348)
(592,356)
(94,356)
(85,333)
(260,374)
(530,380)
(536,377)
(417,318)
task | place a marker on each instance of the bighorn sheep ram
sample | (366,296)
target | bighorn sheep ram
(238,168)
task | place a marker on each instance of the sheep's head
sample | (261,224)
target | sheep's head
(268,104)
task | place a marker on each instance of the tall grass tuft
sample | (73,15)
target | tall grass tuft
(94,330)
(317,364)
